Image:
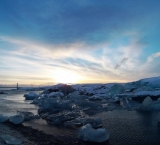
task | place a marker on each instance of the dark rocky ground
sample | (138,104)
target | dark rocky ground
(40,138)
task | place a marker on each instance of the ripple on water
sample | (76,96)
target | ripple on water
(131,127)
(125,127)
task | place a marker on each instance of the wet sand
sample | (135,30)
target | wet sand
(5,129)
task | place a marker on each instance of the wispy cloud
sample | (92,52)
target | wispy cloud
(101,42)
(151,58)
(93,63)
(121,62)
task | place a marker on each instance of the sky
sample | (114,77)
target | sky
(79,41)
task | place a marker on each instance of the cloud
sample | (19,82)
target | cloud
(151,58)
(31,58)
(61,22)
(157,54)
(121,62)
(85,37)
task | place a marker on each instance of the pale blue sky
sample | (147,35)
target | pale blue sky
(79,41)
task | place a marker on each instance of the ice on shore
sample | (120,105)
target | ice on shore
(149,104)
(147,93)
(11,140)
(3,118)
(94,98)
(87,133)
(55,94)
(16,119)
(31,96)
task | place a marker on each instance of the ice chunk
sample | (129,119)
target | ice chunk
(116,89)
(31,96)
(55,94)
(87,133)
(3,118)
(11,140)
(147,102)
(16,119)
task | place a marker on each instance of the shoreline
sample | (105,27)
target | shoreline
(30,136)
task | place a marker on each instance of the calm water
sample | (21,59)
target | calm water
(14,101)
(6,89)
(125,127)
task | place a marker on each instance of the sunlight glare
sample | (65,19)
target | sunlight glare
(66,77)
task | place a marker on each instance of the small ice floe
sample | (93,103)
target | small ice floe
(3,118)
(89,134)
(16,119)
(11,140)
(31,96)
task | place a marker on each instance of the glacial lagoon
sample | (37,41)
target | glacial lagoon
(125,127)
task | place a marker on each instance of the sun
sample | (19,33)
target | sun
(66,77)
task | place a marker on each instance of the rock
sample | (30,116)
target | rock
(11,140)
(16,119)
(31,96)
(89,134)
(3,118)
(66,89)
